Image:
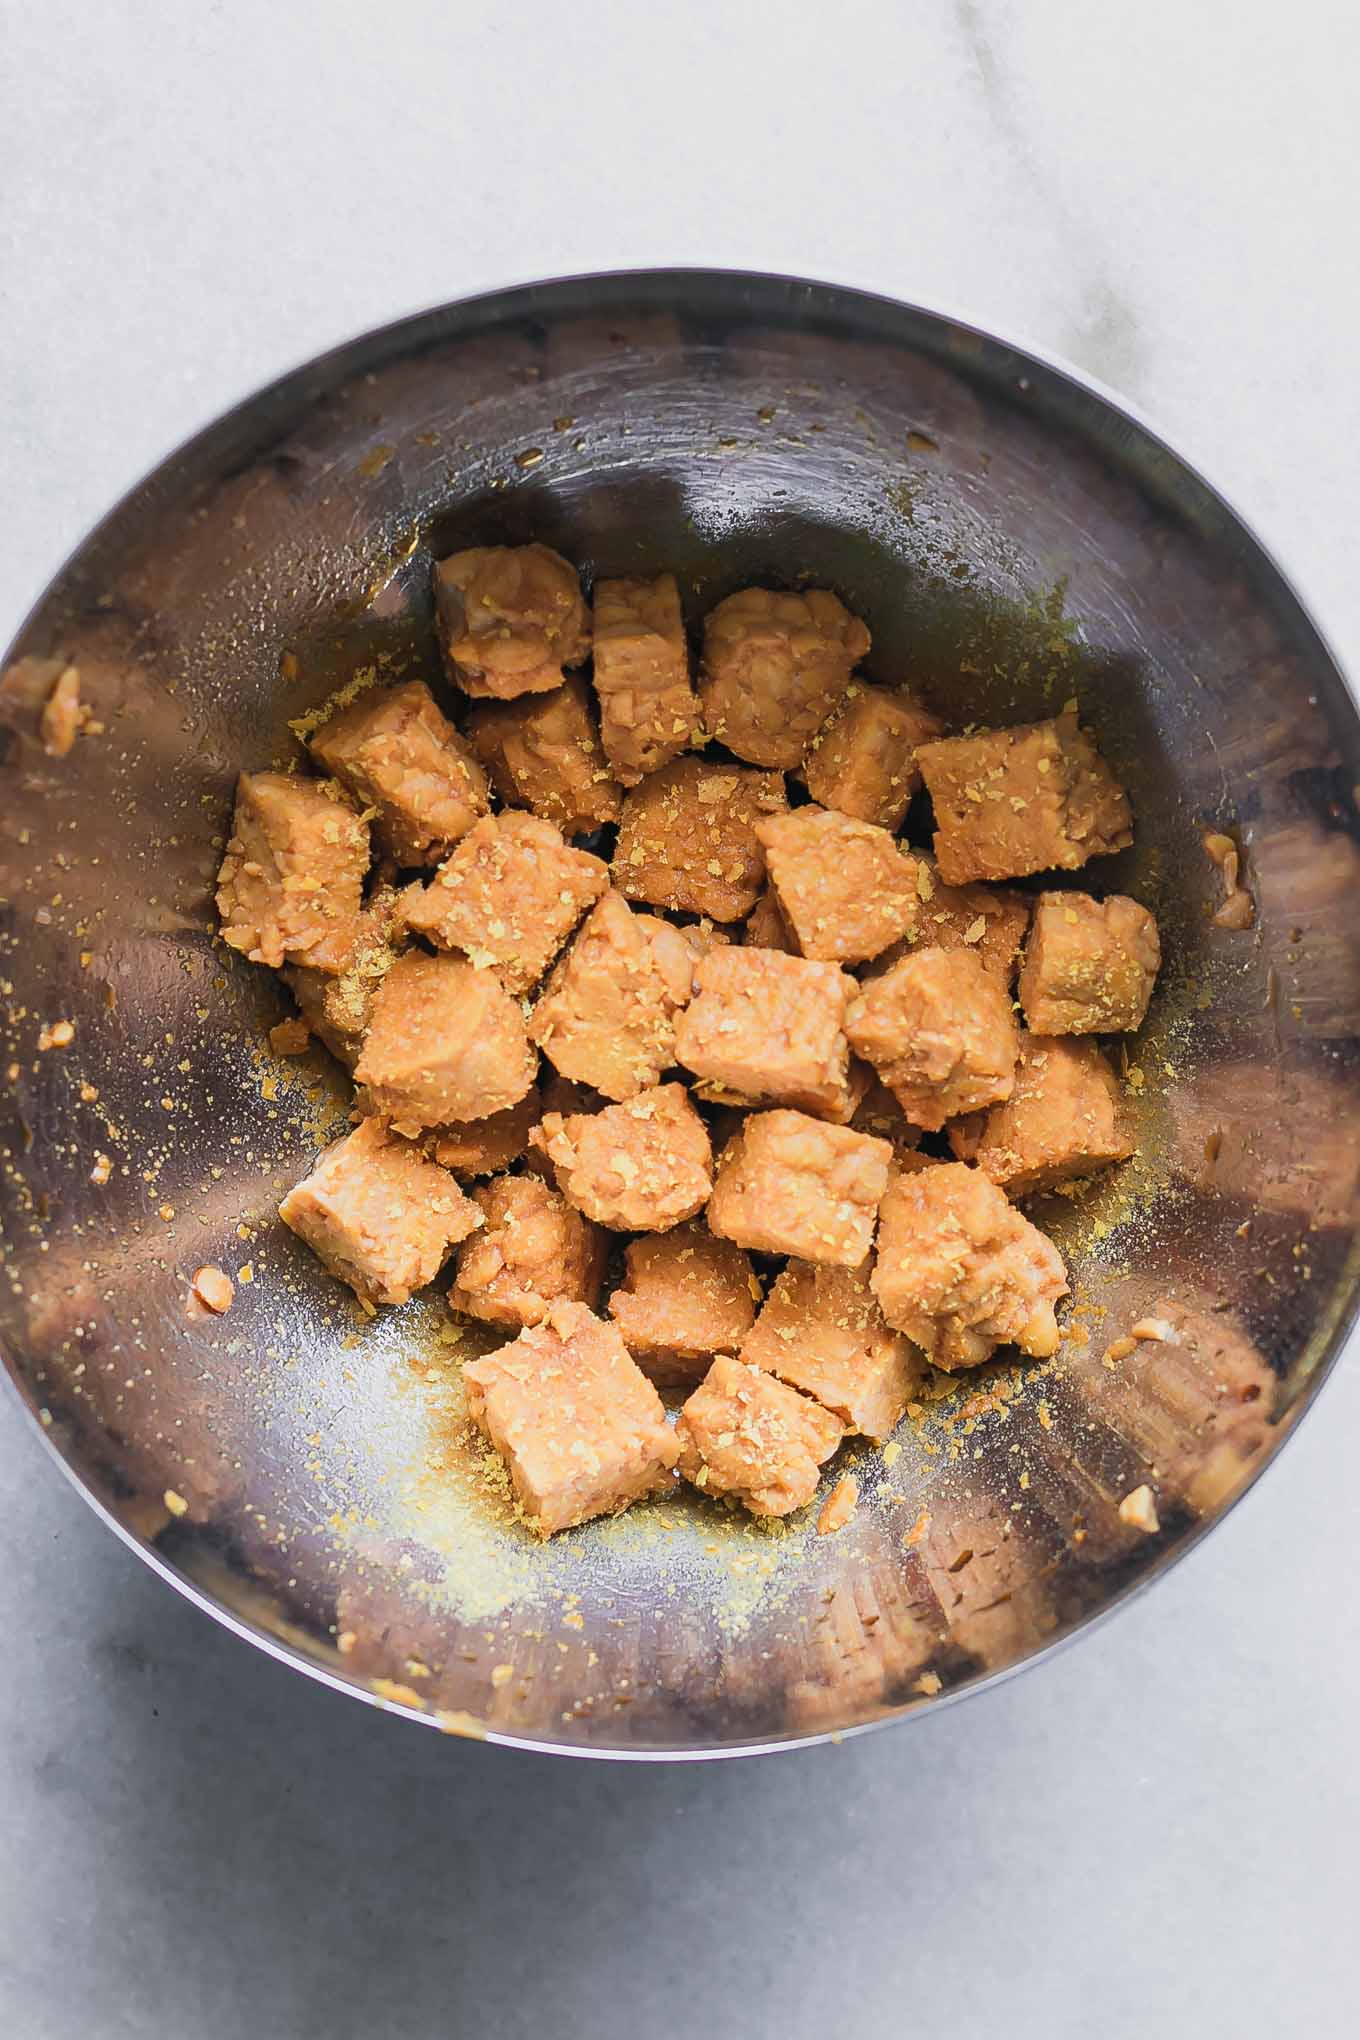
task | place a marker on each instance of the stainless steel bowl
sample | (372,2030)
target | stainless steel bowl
(1015,540)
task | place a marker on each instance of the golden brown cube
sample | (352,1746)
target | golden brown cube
(989,919)
(687,838)
(395,751)
(939,1030)
(770,1028)
(291,883)
(766,928)
(579,1425)
(511,617)
(508,897)
(649,711)
(744,1433)
(532,1251)
(788,1184)
(961,1271)
(1090,965)
(1035,798)
(446,1042)
(774,667)
(1065,1119)
(379,1214)
(642,1166)
(338,1006)
(862,762)
(484,1147)
(607,1014)
(821,1330)
(846,888)
(543,752)
(686,1296)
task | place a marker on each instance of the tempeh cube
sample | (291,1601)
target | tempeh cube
(379,1214)
(543,752)
(989,919)
(642,1166)
(1065,1119)
(821,1330)
(862,762)
(788,1184)
(774,667)
(687,837)
(396,752)
(510,618)
(533,1250)
(939,1030)
(446,1042)
(846,888)
(579,1425)
(1035,798)
(1090,965)
(338,1006)
(686,1296)
(744,1433)
(291,884)
(649,711)
(770,1028)
(508,897)
(607,1014)
(484,1147)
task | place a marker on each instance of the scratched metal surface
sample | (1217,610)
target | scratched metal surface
(1014,542)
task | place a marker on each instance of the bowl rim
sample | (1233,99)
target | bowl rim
(839,301)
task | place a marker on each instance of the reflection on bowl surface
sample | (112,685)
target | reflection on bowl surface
(1014,542)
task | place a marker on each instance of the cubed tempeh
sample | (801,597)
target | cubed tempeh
(1035,798)
(532,1250)
(685,1297)
(445,1042)
(1089,964)
(291,884)
(745,1433)
(687,837)
(788,1184)
(508,897)
(397,753)
(862,762)
(641,1166)
(774,667)
(510,619)
(543,752)
(939,1030)
(821,1330)
(649,711)
(846,888)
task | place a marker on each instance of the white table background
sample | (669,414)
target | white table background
(1157,1832)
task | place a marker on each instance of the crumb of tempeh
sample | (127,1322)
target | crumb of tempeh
(687,837)
(774,666)
(398,754)
(543,752)
(378,1214)
(649,711)
(744,1433)
(839,1506)
(788,1184)
(1139,1510)
(508,897)
(1038,797)
(214,1289)
(641,1166)
(63,714)
(510,619)
(846,888)
(685,1297)
(961,1271)
(581,1428)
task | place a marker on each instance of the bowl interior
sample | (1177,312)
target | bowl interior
(1014,543)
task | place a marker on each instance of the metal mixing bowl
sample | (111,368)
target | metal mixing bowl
(1015,540)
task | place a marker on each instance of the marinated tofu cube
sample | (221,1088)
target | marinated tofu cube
(788,1184)
(766,927)
(532,1250)
(396,753)
(1065,1119)
(821,1330)
(961,1271)
(771,1028)
(862,762)
(291,883)
(939,1030)
(744,1433)
(1090,965)
(607,1014)
(379,1214)
(687,837)
(446,1042)
(484,1147)
(338,1006)
(774,667)
(579,1425)
(991,920)
(508,897)
(649,711)
(511,617)
(686,1296)
(1036,798)
(642,1166)
(846,888)
(543,752)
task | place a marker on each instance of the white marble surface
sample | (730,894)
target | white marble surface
(1156,1832)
